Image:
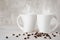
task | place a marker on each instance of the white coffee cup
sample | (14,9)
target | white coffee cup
(29,21)
(44,23)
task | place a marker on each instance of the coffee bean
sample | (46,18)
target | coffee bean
(35,36)
(45,37)
(56,32)
(17,36)
(13,34)
(44,34)
(6,37)
(28,35)
(49,37)
(23,34)
(31,34)
(39,35)
(54,35)
(26,32)
(25,38)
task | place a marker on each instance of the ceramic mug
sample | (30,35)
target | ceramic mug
(44,23)
(28,20)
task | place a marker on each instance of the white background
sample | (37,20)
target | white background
(10,9)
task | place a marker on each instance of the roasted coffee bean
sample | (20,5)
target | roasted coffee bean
(17,36)
(45,37)
(35,36)
(6,37)
(54,35)
(44,34)
(49,37)
(39,34)
(13,34)
(29,35)
(26,32)
(32,34)
(25,38)
(56,32)
(23,34)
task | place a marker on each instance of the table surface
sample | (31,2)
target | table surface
(8,30)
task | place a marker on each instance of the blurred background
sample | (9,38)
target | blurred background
(10,9)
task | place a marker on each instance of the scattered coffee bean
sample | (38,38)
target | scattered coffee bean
(45,37)
(35,36)
(6,37)
(39,35)
(17,36)
(13,34)
(56,32)
(31,34)
(26,32)
(44,34)
(49,37)
(54,35)
(28,35)
(23,34)
(25,38)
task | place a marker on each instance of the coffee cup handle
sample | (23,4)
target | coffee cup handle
(53,16)
(19,25)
